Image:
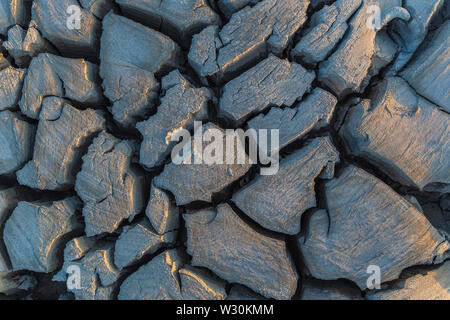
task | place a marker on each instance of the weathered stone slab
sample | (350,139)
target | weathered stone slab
(178,19)
(198,285)
(35,232)
(328,26)
(426,285)
(162,213)
(272,82)
(368,224)
(16,283)
(77,248)
(137,241)
(364,50)
(111,189)
(156,280)
(50,75)
(170,280)
(16,142)
(410,34)
(11,89)
(8,201)
(219,240)
(428,73)
(23,45)
(199,182)
(228,7)
(57,148)
(130,54)
(277,202)
(313,113)
(52,18)
(313,289)
(181,105)
(98,274)
(250,34)
(12,12)
(4,62)
(403,134)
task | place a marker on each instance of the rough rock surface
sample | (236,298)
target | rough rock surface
(428,73)
(272,82)
(35,232)
(98,8)
(98,274)
(23,45)
(50,75)
(228,7)
(410,34)
(170,281)
(363,51)
(16,138)
(199,182)
(162,213)
(12,12)
(221,241)
(278,201)
(426,285)
(328,26)
(130,55)
(53,18)
(181,105)
(12,81)
(137,241)
(253,32)
(111,189)
(179,19)
(58,146)
(368,224)
(385,131)
(313,113)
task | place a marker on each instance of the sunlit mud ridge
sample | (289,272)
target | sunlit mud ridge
(229,149)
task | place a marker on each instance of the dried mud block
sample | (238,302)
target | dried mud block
(98,8)
(16,142)
(410,34)
(402,134)
(198,285)
(278,201)
(73,30)
(58,147)
(139,240)
(179,19)
(240,292)
(97,274)
(364,50)
(50,75)
(12,12)
(110,187)
(313,113)
(328,26)
(190,182)
(426,285)
(221,241)
(36,232)
(272,82)
(164,216)
(368,224)
(251,34)
(130,55)
(181,105)
(11,89)
(11,284)
(428,73)
(23,45)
